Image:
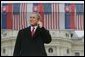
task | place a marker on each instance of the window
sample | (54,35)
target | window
(67,35)
(50,50)
(67,51)
(71,34)
(77,53)
(4,50)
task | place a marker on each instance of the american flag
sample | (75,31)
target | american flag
(69,16)
(6,16)
(19,16)
(74,16)
(50,12)
(79,17)
(55,16)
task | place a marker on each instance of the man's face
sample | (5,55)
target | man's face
(33,19)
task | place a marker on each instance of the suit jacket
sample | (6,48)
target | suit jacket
(26,45)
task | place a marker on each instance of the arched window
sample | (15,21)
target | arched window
(4,51)
(50,50)
(67,51)
(71,35)
(67,35)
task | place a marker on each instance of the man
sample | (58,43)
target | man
(30,41)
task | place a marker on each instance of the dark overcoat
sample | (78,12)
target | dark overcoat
(27,45)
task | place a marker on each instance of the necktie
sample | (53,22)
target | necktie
(33,31)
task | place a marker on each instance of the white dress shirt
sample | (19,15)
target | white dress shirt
(34,27)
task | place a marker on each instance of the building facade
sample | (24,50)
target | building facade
(64,43)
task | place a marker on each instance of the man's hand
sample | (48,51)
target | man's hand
(40,24)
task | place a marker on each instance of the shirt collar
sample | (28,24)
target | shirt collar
(34,27)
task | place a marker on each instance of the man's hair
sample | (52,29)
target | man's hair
(37,14)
